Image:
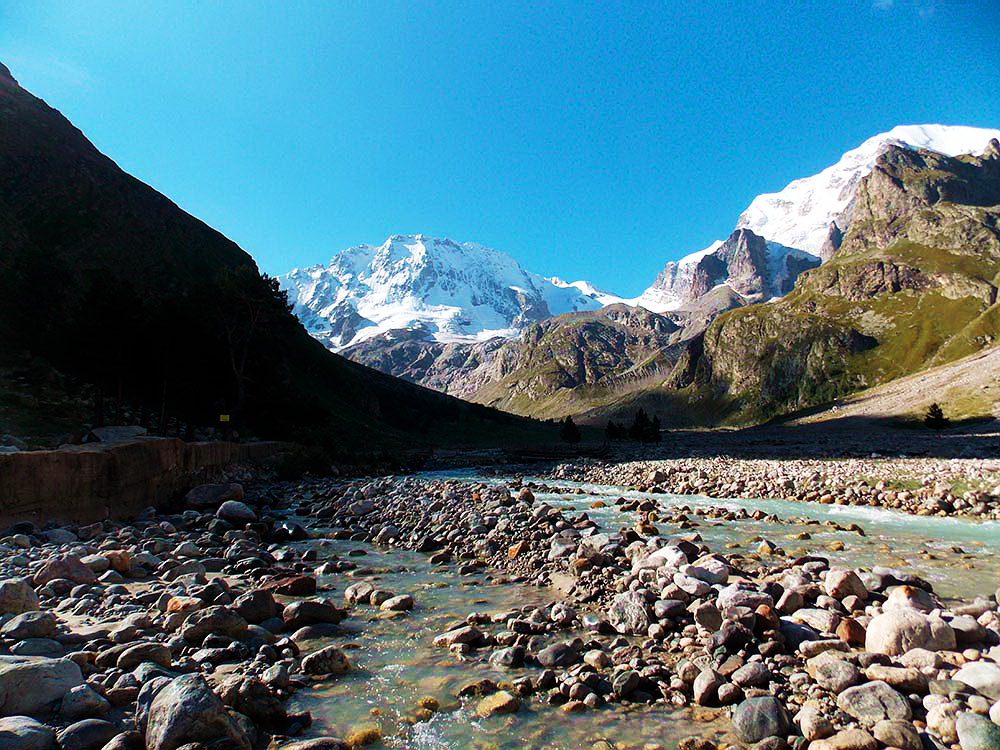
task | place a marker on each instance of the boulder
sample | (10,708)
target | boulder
(841,583)
(29,685)
(17,596)
(976,732)
(873,702)
(558,655)
(325,662)
(87,734)
(187,711)
(896,631)
(310,612)
(758,718)
(66,566)
(898,734)
(218,620)
(737,595)
(236,512)
(30,625)
(212,495)
(629,613)
(23,733)
(982,676)
(500,702)
(846,739)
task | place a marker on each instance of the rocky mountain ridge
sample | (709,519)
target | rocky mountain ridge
(448,291)
(913,285)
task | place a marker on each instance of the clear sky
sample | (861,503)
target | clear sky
(588,140)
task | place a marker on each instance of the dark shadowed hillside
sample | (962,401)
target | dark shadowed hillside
(113,295)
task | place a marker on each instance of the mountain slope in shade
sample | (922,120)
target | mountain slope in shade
(107,284)
(446,290)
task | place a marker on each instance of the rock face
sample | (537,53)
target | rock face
(745,262)
(29,685)
(920,247)
(187,711)
(539,373)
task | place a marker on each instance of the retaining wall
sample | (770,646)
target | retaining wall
(92,482)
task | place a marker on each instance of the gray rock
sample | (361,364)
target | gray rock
(752,674)
(68,567)
(821,620)
(982,676)
(187,711)
(88,734)
(558,655)
(29,685)
(873,702)
(837,675)
(217,619)
(629,613)
(83,702)
(968,631)
(735,595)
(758,718)
(30,625)
(23,733)
(976,732)
(236,512)
(896,631)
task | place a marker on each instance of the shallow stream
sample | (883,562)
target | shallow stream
(396,665)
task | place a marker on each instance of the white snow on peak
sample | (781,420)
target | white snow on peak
(800,215)
(796,220)
(452,291)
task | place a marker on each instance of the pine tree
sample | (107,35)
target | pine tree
(570,433)
(935,418)
(639,431)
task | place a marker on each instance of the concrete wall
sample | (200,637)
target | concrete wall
(97,481)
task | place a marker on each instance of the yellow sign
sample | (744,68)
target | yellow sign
(223,417)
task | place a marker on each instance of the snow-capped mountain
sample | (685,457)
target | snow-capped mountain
(452,291)
(807,218)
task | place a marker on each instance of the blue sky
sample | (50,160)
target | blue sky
(589,141)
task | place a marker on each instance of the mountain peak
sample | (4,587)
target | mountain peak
(453,291)
(800,214)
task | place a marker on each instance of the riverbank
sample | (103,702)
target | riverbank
(200,626)
(965,487)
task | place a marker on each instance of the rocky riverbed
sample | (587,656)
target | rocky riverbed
(236,622)
(967,487)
